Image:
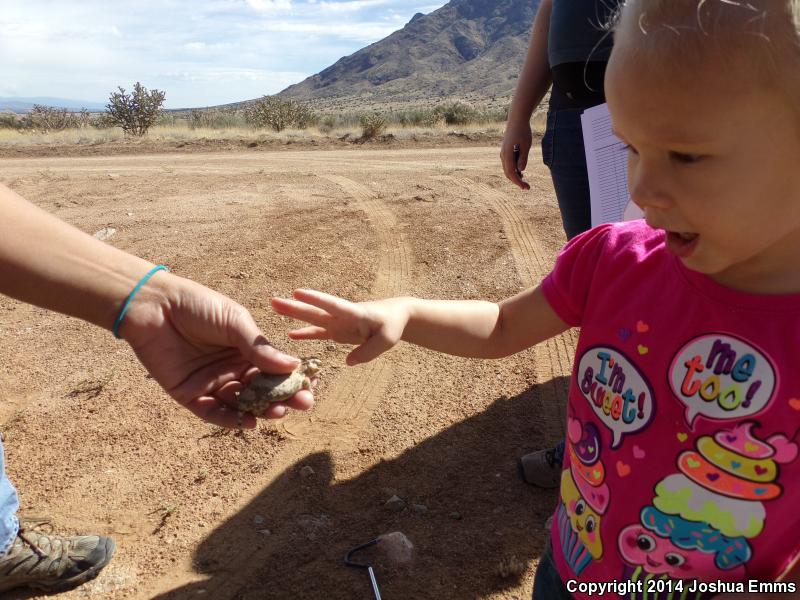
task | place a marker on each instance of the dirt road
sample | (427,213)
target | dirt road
(201,512)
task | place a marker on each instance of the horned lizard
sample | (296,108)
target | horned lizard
(266,388)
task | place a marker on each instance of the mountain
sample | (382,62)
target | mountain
(467,48)
(23,105)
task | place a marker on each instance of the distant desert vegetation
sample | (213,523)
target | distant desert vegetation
(453,70)
(270,119)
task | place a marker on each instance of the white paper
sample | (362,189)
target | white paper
(607,166)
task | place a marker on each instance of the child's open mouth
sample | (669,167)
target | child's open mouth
(681,244)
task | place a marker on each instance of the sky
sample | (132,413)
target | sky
(200,52)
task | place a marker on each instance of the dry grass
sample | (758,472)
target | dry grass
(183,133)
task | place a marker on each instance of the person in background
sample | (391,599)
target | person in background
(199,345)
(569,48)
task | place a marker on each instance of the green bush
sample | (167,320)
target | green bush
(419,118)
(372,125)
(458,113)
(327,123)
(103,121)
(278,114)
(9,120)
(135,113)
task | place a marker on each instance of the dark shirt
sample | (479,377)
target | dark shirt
(578,48)
(579,32)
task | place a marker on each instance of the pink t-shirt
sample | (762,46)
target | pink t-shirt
(684,405)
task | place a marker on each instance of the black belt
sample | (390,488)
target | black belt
(578,84)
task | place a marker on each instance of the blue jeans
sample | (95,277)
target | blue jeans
(547,584)
(9,504)
(563,153)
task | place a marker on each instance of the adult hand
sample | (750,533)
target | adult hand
(374,327)
(201,347)
(517,135)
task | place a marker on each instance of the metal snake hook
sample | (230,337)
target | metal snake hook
(348,560)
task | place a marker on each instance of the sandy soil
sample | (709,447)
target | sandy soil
(202,512)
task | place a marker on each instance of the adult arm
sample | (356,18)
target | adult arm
(198,344)
(533,83)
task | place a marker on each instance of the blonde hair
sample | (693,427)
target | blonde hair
(765,33)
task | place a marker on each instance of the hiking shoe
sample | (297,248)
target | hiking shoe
(541,468)
(52,562)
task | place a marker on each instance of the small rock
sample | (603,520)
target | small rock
(396,546)
(105,233)
(307,472)
(455,515)
(258,520)
(113,176)
(264,531)
(330,347)
(130,214)
(395,503)
(420,509)
(312,525)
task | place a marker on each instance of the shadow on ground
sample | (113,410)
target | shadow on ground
(290,541)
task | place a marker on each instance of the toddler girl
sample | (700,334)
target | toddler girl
(685,397)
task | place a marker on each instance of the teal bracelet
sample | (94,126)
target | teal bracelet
(118,322)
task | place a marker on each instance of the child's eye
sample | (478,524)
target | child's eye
(684,158)
(630,149)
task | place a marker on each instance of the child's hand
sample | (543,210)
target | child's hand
(373,326)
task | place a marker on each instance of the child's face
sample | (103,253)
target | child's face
(714,160)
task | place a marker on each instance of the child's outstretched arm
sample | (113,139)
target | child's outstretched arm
(470,328)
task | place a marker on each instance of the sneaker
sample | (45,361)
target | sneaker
(541,468)
(52,562)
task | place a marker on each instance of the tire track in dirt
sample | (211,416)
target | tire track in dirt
(350,402)
(553,357)
(347,407)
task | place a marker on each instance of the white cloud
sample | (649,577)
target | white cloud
(201,53)
(270,5)
(350,6)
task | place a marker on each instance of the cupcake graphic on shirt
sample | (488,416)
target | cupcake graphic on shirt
(585,497)
(703,517)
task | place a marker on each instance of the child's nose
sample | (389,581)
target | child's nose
(647,186)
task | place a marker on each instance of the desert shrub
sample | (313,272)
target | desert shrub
(165,119)
(327,124)
(136,112)
(215,119)
(458,113)
(50,118)
(419,118)
(278,114)
(372,125)
(103,121)
(496,115)
(9,120)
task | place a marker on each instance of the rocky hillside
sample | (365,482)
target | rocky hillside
(467,48)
